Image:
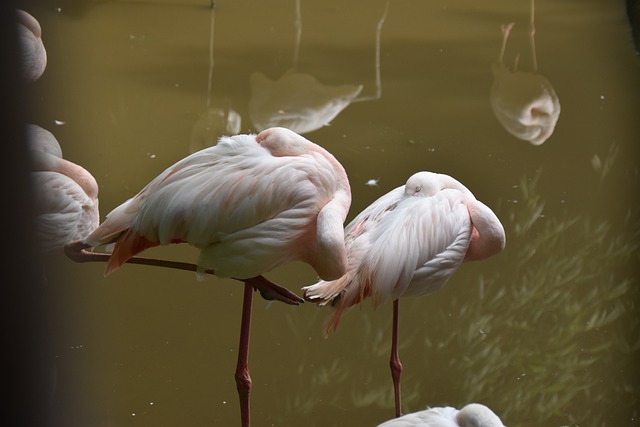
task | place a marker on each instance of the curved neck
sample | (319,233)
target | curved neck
(331,255)
(488,237)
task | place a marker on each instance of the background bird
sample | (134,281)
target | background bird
(32,50)
(471,415)
(250,204)
(66,194)
(409,242)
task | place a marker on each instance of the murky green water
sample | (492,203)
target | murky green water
(546,333)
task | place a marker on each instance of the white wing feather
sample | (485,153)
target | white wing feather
(412,253)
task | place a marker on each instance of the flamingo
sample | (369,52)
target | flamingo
(66,194)
(471,415)
(33,52)
(249,204)
(409,242)
(65,197)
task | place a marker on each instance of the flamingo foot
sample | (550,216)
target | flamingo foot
(272,292)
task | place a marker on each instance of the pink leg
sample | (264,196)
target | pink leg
(79,252)
(394,363)
(243,379)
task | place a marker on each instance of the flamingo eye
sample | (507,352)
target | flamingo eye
(418,188)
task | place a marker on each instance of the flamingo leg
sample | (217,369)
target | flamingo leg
(394,362)
(270,291)
(79,252)
(243,379)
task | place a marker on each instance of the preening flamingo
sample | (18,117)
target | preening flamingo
(66,194)
(250,203)
(32,50)
(471,415)
(409,242)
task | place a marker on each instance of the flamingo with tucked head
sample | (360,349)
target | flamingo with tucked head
(409,242)
(33,52)
(66,194)
(250,203)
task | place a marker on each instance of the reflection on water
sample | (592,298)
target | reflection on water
(214,121)
(299,101)
(545,334)
(525,103)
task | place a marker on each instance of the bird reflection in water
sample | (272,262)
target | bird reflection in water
(524,102)
(214,121)
(298,101)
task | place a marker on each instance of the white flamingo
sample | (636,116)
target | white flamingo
(33,52)
(250,204)
(65,194)
(471,415)
(409,242)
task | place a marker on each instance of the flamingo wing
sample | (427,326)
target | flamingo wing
(398,246)
(417,246)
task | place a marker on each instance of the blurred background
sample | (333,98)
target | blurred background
(546,334)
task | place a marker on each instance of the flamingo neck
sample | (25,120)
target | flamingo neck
(488,237)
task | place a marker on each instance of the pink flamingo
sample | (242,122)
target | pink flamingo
(66,194)
(32,50)
(409,242)
(250,203)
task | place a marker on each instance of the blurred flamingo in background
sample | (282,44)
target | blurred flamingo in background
(471,415)
(525,103)
(66,194)
(250,203)
(409,242)
(32,50)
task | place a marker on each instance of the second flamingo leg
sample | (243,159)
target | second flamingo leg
(243,379)
(394,362)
